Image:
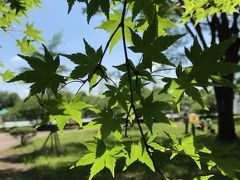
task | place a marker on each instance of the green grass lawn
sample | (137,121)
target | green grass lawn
(45,165)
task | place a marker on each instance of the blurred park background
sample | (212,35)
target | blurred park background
(30,148)
(45,153)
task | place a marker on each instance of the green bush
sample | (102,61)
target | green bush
(24,133)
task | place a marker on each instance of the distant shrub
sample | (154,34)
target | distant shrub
(24,133)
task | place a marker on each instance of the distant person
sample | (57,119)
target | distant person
(186,121)
(193,129)
(201,125)
(209,126)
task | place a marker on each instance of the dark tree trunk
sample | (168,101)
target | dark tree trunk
(225,95)
(222,28)
(224,98)
(226,129)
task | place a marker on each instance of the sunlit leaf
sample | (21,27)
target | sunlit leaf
(43,74)
(111,25)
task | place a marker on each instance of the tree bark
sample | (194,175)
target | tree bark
(225,95)
(222,28)
(226,129)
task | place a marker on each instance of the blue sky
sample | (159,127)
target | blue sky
(53,18)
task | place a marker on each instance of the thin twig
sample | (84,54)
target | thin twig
(40,101)
(108,43)
(111,81)
(164,69)
(97,83)
(75,81)
(158,75)
(105,50)
(79,89)
(131,89)
(126,120)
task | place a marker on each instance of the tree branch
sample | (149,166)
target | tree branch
(212,27)
(234,28)
(198,29)
(186,25)
(126,120)
(131,90)
(108,43)
(189,30)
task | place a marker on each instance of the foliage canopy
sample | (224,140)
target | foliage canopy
(141,25)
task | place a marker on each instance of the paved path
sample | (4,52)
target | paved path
(9,165)
(7,141)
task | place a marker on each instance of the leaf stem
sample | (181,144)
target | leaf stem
(83,83)
(126,120)
(163,69)
(108,43)
(74,81)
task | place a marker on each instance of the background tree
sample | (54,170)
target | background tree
(11,14)
(29,110)
(202,22)
(23,133)
(209,100)
(218,27)
(8,100)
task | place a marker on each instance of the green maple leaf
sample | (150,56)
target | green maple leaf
(190,149)
(101,157)
(113,22)
(228,167)
(97,166)
(157,147)
(137,7)
(109,124)
(7,75)
(111,93)
(43,74)
(87,63)
(176,144)
(17,5)
(208,62)
(119,96)
(31,32)
(111,163)
(61,110)
(182,84)
(26,46)
(86,160)
(138,152)
(148,9)
(152,111)
(94,5)
(71,3)
(107,160)
(151,46)
(162,25)
(203,177)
